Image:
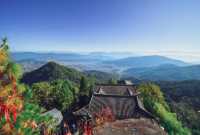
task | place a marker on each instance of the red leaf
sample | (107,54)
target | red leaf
(14,115)
(7,115)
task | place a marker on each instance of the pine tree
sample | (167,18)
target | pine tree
(84,86)
(17,115)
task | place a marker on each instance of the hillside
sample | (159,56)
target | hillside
(145,61)
(183,97)
(184,91)
(51,71)
(165,73)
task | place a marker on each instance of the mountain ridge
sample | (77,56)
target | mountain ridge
(94,61)
(165,73)
(147,61)
(51,71)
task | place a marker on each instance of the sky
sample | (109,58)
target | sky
(163,27)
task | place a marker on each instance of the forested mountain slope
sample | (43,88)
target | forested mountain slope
(52,71)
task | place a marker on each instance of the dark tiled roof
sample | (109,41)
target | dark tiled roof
(83,111)
(121,107)
(121,99)
(121,90)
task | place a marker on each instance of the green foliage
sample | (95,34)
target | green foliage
(169,121)
(86,86)
(32,113)
(151,94)
(42,94)
(154,101)
(188,115)
(15,69)
(63,91)
(4,44)
(56,94)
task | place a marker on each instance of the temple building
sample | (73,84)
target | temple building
(111,103)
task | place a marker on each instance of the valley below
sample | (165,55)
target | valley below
(179,81)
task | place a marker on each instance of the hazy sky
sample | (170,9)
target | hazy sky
(167,27)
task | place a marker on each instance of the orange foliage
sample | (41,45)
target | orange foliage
(11,102)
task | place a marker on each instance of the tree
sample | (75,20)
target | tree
(56,94)
(42,94)
(63,91)
(154,101)
(17,114)
(84,86)
(151,94)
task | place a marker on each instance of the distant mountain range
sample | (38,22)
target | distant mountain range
(59,56)
(93,61)
(153,68)
(166,72)
(106,62)
(145,61)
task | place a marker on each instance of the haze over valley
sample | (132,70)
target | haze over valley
(152,67)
